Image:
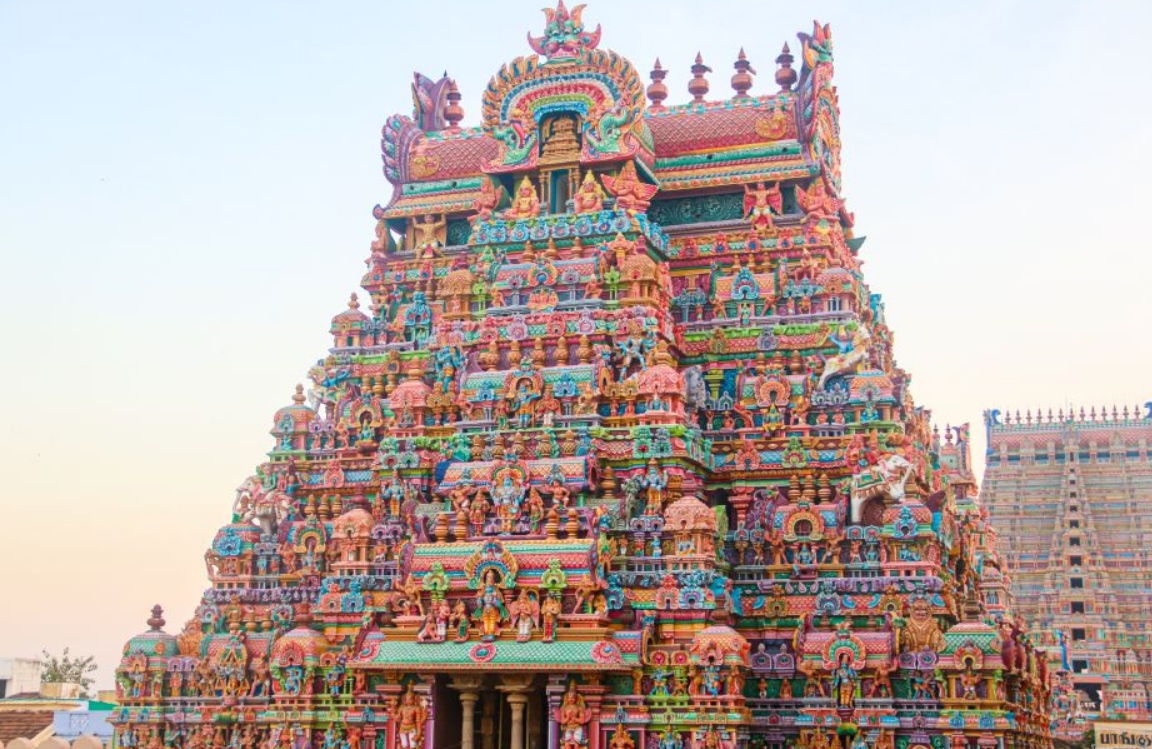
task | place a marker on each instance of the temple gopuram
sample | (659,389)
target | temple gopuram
(1071,490)
(613,455)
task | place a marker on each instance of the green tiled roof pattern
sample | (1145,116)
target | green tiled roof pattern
(955,639)
(509,654)
(457,551)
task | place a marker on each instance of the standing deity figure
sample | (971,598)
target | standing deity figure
(508,497)
(844,680)
(573,715)
(969,681)
(525,615)
(524,403)
(550,612)
(654,482)
(410,718)
(459,621)
(477,513)
(760,204)
(443,614)
(490,608)
(711,680)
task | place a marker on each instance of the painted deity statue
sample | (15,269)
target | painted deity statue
(410,718)
(429,235)
(490,609)
(508,496)
(844,680)
(921,630)
(488,200)
(760,205)
(524,613)
(550,612)
(458,621)
(526,204)
(573,715)
(631,194)
(590,197)
(621,739)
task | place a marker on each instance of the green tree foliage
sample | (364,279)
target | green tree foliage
(69,668)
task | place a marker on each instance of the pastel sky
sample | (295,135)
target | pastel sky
(185,197)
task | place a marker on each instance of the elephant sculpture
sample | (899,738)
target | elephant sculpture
(886,479)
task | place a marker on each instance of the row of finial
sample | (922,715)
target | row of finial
(1091,415)
(657,91)
(741,80)
(949,431)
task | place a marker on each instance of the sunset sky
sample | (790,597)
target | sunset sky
(186,193)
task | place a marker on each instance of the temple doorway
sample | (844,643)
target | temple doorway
(491,712)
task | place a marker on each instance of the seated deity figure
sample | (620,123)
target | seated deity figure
(590,197)
(526,204)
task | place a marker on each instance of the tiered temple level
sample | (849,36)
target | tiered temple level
(617,457)
(1071,491)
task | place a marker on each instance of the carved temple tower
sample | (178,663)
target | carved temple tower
(613,455)
(1070,491)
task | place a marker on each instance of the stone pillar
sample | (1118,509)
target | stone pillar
(516,703)
(488,720)
(551,704)
(468,700)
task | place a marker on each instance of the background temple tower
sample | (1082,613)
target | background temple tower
(1069,493)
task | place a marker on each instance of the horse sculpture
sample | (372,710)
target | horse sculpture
(885,479)
(852,353)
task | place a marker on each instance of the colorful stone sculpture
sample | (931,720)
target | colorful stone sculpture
(618,457)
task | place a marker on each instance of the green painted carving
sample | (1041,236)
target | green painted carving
(723,207)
